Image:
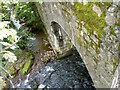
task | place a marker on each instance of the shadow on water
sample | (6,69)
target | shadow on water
(66,72)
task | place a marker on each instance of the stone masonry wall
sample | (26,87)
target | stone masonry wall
(94,29)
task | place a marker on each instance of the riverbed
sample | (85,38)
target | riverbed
(47,71)
(50,72)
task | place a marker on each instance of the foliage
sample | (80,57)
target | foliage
(8,40)
(27,13)
(17,20)
(30,20)
(26,67)
(24,33)
(2,83)
(28,60)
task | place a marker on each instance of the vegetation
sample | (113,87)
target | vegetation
(17,20)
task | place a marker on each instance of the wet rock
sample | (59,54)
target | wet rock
(47,56)
(64,73)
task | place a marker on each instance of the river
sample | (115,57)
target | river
(50,72)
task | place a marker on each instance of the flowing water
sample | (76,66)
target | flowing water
(49,72)
(69,72)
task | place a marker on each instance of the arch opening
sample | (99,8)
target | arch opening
(57,30)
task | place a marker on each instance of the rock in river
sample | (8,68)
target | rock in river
(68,72)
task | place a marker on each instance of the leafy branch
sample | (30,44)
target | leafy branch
(8,75)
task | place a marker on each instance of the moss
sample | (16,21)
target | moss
(91,19)
(28,62)
(115,63)
(67,14)
(95,59)
(26,67)
(119,49)
(97,50)
(104,6)
(69,45)
(66,11)
(118,21)
(79,40)
(112,31)
(11,69)
(91,44)
(87,42)
(78,37)
(92,22)
(24,61)
(116,60)
(99,43)
(86,46)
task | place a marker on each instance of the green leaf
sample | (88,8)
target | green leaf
(0,46)
(10,38)
(2,83)
(26,67)
(1,56)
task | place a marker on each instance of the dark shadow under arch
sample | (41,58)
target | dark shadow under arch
(57,29)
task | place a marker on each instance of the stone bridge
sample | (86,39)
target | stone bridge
(93,29)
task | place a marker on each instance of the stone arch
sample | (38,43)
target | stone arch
(60,40)
(57,30)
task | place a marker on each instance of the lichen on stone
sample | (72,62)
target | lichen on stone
(92,21)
